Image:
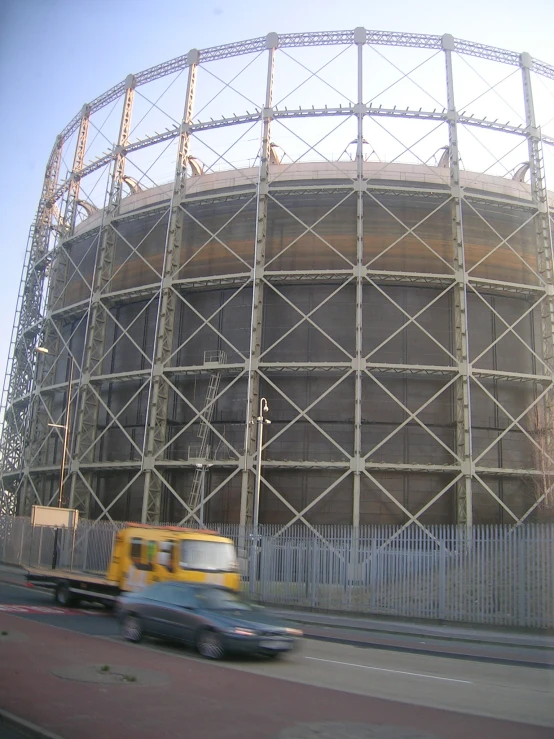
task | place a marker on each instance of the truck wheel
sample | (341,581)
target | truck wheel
(63,595)
(132,628)
(209,644)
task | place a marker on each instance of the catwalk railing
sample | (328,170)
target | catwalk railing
(494,575)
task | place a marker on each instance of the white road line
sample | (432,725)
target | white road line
(383,669)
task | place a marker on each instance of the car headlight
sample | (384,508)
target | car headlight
(244,632)
(294,632)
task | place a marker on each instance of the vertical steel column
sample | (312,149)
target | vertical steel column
(70,212)
(155,431)
(87,411)
(253,398)
(23,375)
(359,272)
(464,499)
(540,200)
(59,272)
(544,243)
(60,266)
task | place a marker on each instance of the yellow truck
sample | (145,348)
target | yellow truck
(142,555)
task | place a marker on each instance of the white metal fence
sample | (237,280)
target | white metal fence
(492,575)
(88,548)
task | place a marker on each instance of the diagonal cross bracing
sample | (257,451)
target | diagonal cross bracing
(411,319)
(198,415)
(193,510)
(408,231)
(504,242)
(207,322)
(304,413)
(309,229)
(411,416)
(510,329)
(412,518)
(305,316)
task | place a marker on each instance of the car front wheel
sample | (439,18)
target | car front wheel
(210,645)
(132,628)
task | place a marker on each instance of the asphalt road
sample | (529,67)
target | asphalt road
(38,605)
(513,693)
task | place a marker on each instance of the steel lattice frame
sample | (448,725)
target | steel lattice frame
(28,393)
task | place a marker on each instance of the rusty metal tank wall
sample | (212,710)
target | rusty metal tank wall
(320,351)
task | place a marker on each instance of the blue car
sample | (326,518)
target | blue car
(212,619)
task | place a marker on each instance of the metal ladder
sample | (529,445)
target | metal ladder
(202,451)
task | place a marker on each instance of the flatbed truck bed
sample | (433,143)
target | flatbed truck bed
(71,586)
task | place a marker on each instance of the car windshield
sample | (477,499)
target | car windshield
(208,555)
(221,600)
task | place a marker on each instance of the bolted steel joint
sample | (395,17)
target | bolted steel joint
(193,57)
(447,42)
(360,35)
(525,60)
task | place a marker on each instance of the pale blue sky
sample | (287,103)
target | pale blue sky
(56,55)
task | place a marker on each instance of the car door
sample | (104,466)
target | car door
(181,613)
(154,609)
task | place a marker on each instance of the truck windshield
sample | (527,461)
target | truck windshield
(208,555)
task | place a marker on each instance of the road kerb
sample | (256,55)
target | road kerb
(25,728)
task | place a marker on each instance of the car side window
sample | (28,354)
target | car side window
(182,596)
(157,592)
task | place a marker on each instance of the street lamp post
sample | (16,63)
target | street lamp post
(260,420)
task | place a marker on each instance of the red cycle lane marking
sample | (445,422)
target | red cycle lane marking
(35,609)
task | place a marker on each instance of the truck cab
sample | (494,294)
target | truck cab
(146,554)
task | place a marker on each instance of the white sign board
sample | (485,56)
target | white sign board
(43,515)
